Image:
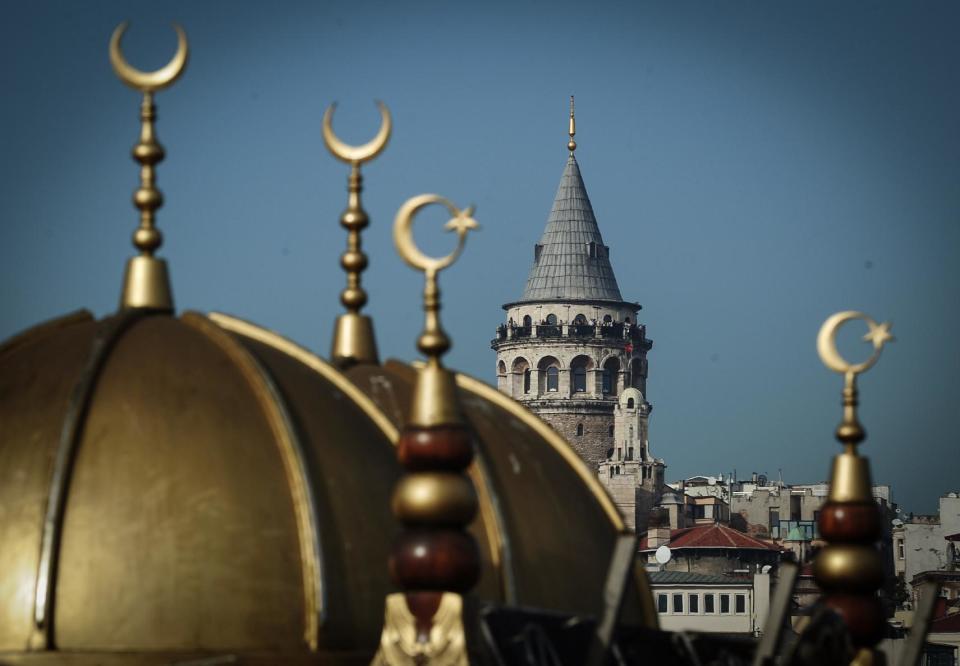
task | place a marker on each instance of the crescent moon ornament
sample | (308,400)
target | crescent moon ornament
(878,335)
(357,154)
(148,82)
(462,222)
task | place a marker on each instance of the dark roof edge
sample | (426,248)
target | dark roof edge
(636,307)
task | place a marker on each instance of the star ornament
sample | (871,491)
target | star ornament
(878,334)
(462,223)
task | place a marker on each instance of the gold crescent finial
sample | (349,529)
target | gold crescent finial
(353,339)
(572,145)
(434,396)
(878,334)
(357,154)
(146,284)
(461,222)
(148,81)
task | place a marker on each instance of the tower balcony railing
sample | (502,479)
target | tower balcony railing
(607,331)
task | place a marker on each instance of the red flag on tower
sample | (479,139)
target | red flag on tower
(628,348)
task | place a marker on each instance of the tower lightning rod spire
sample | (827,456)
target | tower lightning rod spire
(572,145)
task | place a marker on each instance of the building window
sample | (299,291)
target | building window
(580,320)
(724,604)
(708,600)
(741,604)
(630,453)
(579,430)
(662,603)
(899,549)
(551,320)
(610,431)
(526,380)
(619,453)
(553,378)
(607,383)
(579,379)
(527,320)
(607,319)
(678,603)
(693,603)
(630,403)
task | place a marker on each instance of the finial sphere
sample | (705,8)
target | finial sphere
(148,82)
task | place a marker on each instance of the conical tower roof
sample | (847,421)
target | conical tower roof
(570,261)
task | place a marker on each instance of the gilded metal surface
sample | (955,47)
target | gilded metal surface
(353,338)
(572,145)
(446,644)
(435,498)
(434,401)
(849,567)
(39,371)
(852,478)
(315,363)
(291,451)
(352,460)
(148,81)
(73,422)
(146,284)
(180,531)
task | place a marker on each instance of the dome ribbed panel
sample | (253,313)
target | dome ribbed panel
(565,269)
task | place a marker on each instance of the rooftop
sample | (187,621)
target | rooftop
(687,578)
(712,536)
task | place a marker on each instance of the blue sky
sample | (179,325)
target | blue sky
(754,167)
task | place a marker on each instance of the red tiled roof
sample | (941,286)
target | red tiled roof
(948,624)
(713,536)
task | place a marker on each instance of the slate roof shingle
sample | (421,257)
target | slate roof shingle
(564,268)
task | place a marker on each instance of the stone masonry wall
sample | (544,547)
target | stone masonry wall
(593,445)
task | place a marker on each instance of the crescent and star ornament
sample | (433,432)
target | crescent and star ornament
(148,82)
(357,154)
(877,335)
(462,222)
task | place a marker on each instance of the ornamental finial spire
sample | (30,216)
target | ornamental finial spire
(353,339)
(146,284)
(572,145)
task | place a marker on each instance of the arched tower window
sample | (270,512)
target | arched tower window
(579,430)
(630,403)
(526,380)
(527,321)
(579,379)
(553,378)
(578,372)
(611,371)
(610,431)
(519,372)
(501,368)
(551,320)
(607,319)
(580,320)
(636,374)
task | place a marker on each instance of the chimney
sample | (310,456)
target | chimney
(658,528)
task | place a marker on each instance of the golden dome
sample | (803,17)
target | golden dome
(220,489)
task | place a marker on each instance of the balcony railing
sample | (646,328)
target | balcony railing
(618,331)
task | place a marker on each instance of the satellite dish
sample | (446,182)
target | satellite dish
(663,554)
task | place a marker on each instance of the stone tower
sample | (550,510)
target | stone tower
(571,345)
